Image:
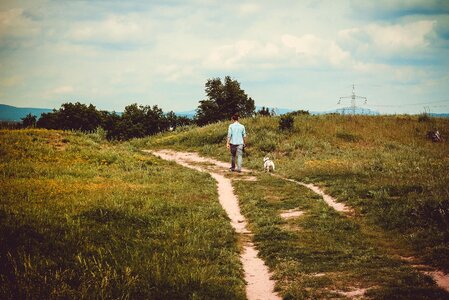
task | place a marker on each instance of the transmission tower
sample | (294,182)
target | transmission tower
(353,97)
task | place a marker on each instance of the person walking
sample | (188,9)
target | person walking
(236,141)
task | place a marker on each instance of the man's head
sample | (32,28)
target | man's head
(235,117)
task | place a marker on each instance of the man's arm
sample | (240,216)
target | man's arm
(244,135)
(228,140)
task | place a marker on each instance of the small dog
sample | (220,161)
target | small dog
(268,164)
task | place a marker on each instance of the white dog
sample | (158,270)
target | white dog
(268,164)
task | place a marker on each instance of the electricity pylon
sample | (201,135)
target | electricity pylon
(353,97)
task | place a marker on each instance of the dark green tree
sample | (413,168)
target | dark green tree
(50,120)
(72,116)
(29,121)
(264,111)
(286,122)
(172,119)
(139,121)
(223,100)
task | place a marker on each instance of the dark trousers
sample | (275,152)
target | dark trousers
(236,151)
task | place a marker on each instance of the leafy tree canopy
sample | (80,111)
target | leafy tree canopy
(72,116)
(223,100)
(29,120)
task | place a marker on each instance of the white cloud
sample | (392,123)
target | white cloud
(388,39)
(248,8)
(113,29)
(316,50)
(62,90)
(401,74)
(174,72)
(240,54)
(14,23)
(159,52)
(11,81)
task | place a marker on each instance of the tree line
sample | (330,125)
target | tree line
(223,99)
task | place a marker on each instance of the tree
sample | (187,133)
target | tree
(72,116)
(223,100)
(29,121)
(138,121)
(49,120)
(264,111)
(286,122)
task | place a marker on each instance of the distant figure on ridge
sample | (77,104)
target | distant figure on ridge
(236,142)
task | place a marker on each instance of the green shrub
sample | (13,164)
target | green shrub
(286,122)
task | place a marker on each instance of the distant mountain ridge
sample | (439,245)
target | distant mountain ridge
(15,114)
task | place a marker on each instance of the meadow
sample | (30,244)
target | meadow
(81,217)
(383,166)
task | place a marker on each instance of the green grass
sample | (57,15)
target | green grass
(383,166)
(322,252)
(84,218)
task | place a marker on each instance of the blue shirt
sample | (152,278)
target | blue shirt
(236,133)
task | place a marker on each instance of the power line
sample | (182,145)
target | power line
(411,104)
(353,97)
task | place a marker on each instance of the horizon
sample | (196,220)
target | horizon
(278,110)
(161,53)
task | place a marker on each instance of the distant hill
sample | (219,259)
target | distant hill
(443,115)
(15,114)
(349,111)
(189,114)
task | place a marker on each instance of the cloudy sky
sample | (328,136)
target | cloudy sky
(289,54)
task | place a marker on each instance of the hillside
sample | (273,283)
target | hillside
(383,166)
(15,114)
(81,218)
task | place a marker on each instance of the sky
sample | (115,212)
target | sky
(285,54)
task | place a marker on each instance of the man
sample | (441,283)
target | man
(235,142)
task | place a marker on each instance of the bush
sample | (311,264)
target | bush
(286,122)
(424,117)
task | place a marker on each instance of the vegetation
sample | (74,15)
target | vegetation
(81,217)
(136,121)
(323,254)
(265,111)
(383,166)
(286,122)
(223,100)
(29,121)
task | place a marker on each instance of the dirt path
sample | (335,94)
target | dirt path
(256,273)
(259,285)
(331,201)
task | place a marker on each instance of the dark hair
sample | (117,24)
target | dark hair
(235,117)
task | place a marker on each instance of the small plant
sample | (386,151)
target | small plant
(424,117)
(286,122)
(348,137)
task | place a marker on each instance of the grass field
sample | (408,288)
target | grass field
(84,218)
(323,254)
(383,166)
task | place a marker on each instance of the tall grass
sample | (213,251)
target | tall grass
(84,218)
(383,166)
